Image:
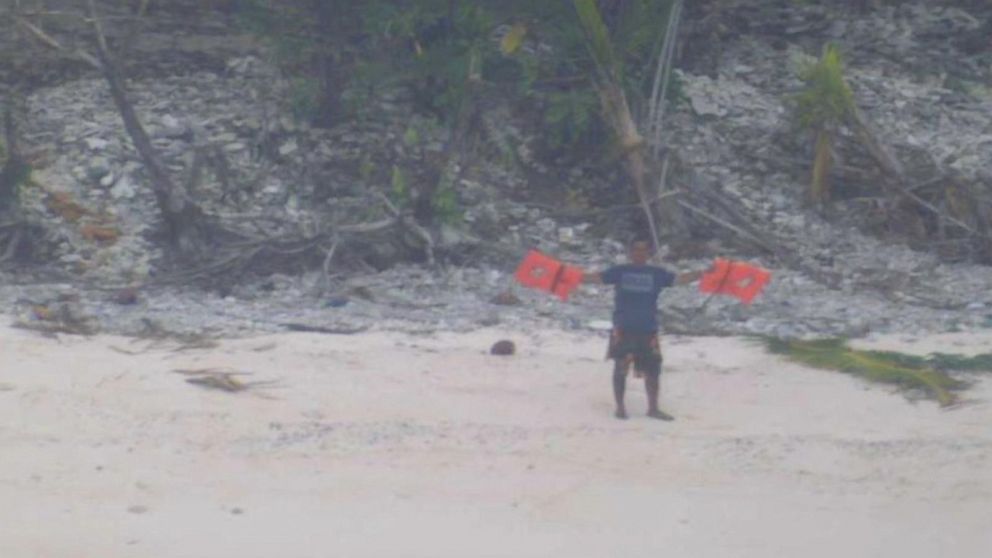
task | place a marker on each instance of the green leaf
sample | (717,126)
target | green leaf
(513,39)
(597,38)
(827,100)
(401,193)
(411,137)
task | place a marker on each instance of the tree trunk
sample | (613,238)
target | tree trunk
(332,19)
(822,160)
(613,102)
(14,167)
(617,112)
(184,220)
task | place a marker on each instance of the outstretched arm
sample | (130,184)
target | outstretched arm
(688,277)
(595,278)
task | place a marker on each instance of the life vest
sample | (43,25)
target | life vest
(737,279)
(544,273)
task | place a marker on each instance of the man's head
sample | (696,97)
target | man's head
(639,250)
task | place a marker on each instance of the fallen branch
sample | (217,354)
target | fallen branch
(411,224)
(321,329)
(729,226)
(556,212)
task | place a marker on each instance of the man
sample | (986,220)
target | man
(635,324)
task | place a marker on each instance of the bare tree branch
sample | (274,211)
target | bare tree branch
(51,42)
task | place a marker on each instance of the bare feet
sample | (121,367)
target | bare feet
(660,415)
(621,414)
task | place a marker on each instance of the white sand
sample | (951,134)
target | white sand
(389,445)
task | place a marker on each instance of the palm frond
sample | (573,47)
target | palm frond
(977,363)
(905,371)
(827,99)
(597,39)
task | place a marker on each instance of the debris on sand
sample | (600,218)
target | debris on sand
(307,328)
(59,317)
(503,348)
(157,334)
(219,379)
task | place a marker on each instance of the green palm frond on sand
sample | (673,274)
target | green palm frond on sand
(928,374)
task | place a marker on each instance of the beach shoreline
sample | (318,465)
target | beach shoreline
(385,444)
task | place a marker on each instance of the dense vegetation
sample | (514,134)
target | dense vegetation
(588,71)
(593,77)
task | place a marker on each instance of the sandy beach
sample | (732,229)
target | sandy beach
(385,444)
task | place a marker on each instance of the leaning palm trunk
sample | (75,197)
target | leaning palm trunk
(614,103)
(616,109)
(822,160)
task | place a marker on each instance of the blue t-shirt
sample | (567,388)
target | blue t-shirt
(636,289)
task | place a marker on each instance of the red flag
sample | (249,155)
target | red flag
(544,273)
(737,279)
(568,280)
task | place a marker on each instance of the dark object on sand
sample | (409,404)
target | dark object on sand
(503,348)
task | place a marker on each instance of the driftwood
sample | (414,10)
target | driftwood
(220,379)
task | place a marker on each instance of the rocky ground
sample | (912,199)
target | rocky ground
(732,129)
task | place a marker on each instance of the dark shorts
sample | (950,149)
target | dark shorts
(641,349)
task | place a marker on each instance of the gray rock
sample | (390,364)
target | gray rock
(124,188)
(705,106)
(96,144)
(97,168)
(546,225)
(288,148)
(450,237)
(108,180)
(180,131)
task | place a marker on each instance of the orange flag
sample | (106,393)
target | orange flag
(737,279)
(544,273)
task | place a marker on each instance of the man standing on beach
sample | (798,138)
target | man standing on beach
(635,324)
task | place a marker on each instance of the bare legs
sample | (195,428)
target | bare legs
(619,387)
(652,385)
